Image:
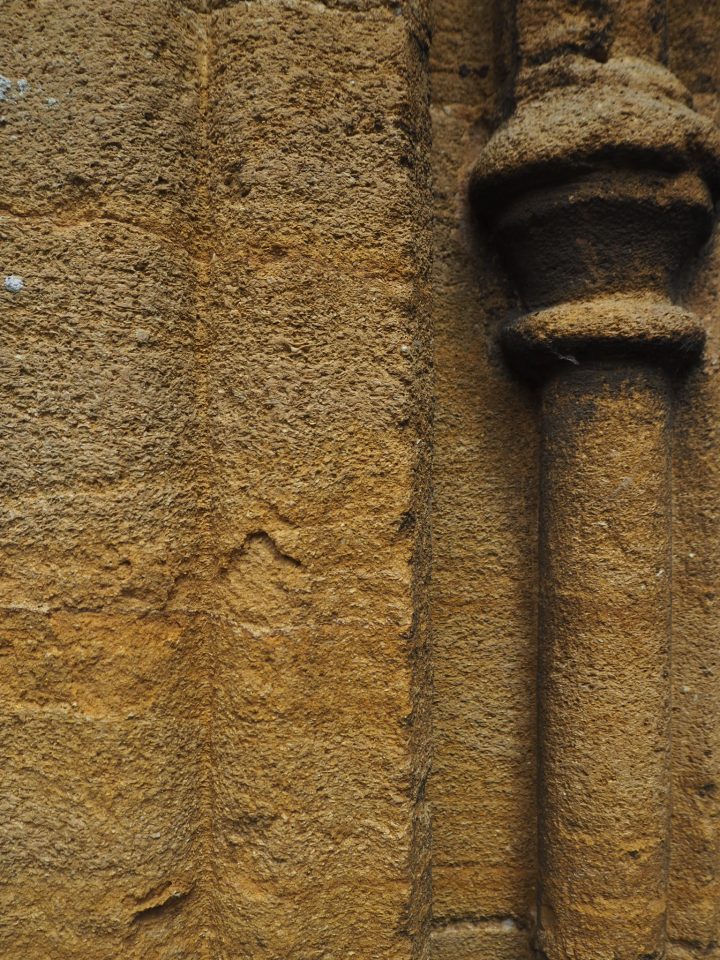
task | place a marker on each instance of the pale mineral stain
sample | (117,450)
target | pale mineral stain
(13,283)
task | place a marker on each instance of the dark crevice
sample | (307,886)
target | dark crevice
(696,946)
(259,537)
(168,901)
(209,7)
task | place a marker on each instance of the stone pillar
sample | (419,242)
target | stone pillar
(599,191)
(318,417)
(605,662)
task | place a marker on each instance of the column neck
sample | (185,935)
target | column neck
(601,184)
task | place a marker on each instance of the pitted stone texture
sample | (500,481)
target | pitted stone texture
(694,914)
(318,420)
(105,127)
(595,29)
(467,922)
(215,482)
(604,696)
(494,937)
(102,697)
(484,543)
(577,115)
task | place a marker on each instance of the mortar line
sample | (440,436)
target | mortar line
(96,217)
(387,6)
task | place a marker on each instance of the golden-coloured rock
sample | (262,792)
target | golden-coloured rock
(250,355)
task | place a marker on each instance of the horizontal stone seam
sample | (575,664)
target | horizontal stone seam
(345,9)
(202,248)
(478,920)
(100,217)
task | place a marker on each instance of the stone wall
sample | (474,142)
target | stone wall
(249,341)
(215,480)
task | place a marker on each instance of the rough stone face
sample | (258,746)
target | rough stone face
(694,892)
(224,282)
(484,539)
(318,430)
(215,481)
(470,922)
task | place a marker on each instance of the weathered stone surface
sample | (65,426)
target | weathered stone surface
(215,482)
(215,450)
(318,426)
(100,692)
(694,918)
(604,719)
(484,543)
(694,894)
(691,901)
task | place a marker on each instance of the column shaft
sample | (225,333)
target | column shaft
(604,688)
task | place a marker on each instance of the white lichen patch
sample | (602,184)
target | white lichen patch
(13,283)
(22,86)
(51,101)
(5,87)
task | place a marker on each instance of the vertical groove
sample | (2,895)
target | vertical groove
(205,568)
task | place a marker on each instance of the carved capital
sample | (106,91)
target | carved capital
(601,185)
(599,190)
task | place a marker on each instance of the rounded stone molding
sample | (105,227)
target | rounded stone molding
(599,191)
